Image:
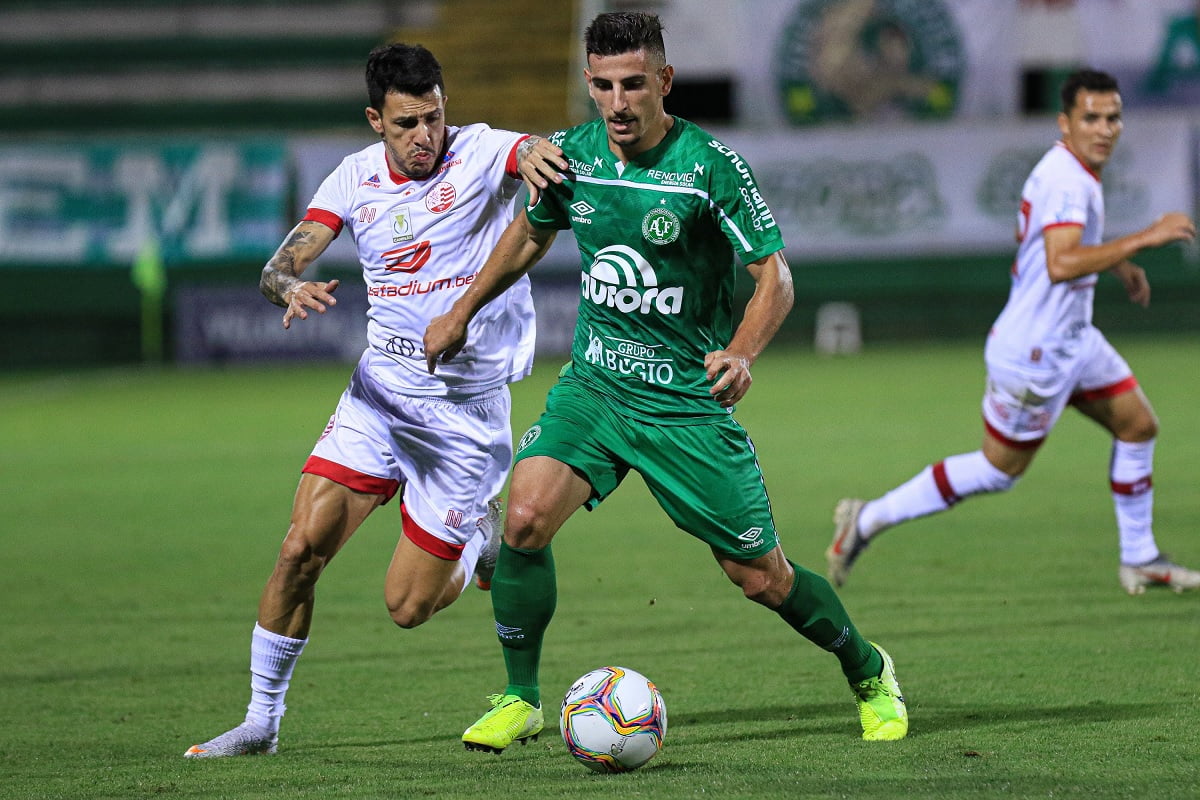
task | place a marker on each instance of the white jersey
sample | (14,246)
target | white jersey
(1042,323)
(420,244)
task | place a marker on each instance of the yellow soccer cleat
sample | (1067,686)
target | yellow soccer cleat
(510,720)
(881,707)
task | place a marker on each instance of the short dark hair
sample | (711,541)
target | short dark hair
(1089,80)
(625,32)
(405,68)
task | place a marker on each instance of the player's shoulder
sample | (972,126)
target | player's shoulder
(698,144)
(476,131)
(582,137)
(365,167)
(1060,164)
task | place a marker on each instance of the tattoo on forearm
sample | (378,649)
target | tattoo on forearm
(281,274)
(524,148)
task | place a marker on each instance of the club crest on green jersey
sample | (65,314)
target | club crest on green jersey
(660,226)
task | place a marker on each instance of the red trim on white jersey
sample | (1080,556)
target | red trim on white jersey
(326,218)
(426,540)
(1104,392)
(350,478)
(510,166)
(1062,225)
(1089,170)
(1015,444)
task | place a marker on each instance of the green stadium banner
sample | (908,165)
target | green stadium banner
(100,204)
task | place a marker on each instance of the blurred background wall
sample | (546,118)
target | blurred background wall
(154,154)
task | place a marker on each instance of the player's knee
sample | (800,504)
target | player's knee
(298,562)
(1143,429)
(762,588)
(527,526)
(409,613)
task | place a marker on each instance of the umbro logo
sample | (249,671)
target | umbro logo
(505,632)
(751,539)
(582,209)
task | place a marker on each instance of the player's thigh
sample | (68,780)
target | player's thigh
(325,514)
(708,481)
(543,495)
(419,580)
(568,457)
(1128,415)
(1108,393)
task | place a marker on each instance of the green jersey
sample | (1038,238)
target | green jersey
(659,240)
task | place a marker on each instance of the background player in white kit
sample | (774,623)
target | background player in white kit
(1043,353)
(425,206)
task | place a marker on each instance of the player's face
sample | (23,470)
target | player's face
(413,130)
(628,90)
(1092,128)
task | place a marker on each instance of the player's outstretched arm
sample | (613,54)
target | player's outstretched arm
(520,247)
(768,307)
(1068,258)
(540,164)
(281,283)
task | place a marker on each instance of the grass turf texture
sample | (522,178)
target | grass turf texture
(143,510)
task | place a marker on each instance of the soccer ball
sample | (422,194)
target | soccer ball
(613,720)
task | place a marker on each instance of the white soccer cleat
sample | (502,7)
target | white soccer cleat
(1159,572)
(848,543)
(246,739)
(485,567)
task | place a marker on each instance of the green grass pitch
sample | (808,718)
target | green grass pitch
(142,510)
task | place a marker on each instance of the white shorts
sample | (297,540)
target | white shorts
(1022,403)
(451,456)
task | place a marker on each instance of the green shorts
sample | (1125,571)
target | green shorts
(705,476)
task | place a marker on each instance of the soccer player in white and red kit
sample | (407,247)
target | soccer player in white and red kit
(1044,353)
(425,206)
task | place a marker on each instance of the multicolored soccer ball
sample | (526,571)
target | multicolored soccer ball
(613,720)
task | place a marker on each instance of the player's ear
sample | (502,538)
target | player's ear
(667,77)
(375,120)
(1064,123)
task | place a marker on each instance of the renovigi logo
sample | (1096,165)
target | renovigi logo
(621,278)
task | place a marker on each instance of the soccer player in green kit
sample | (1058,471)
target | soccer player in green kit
(662,213)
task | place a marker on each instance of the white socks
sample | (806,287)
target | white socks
(470,555)
(272,659)
(933,489)
(1133,497)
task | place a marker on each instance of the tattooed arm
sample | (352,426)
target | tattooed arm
(281,282)
(539,162)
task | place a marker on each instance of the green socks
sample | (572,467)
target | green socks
(524,595)
(814,610)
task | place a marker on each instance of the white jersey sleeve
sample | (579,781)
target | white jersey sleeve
(1042,322)
(420,244)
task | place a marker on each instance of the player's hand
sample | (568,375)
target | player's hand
(540,164)
(444,338)
(313,295)
(1172,227)
(1137,286)
(734,380)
